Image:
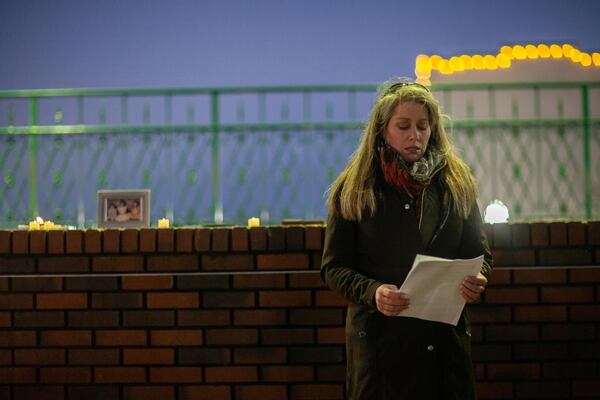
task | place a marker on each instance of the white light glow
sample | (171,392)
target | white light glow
(496,212)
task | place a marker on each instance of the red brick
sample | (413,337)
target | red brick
(203,318)
(569,370)
(263,392)
(566,257)
(540,236)
(542,390)
(37,242)
(283,261)
(175,375)
(20,242)
(203,356)
(287,336)
(294,238)
(576,233)
(310,280)
(258,238)
(587,388)
(202,239)
(148,356)
(287,374)
(205,392)
(514,257)
(316,355)
(65,375)
(231,374)
(5,239)
(118,263)
(231,336)
(588,312)
(149,392)
(239,239)
(121,337)
(117,300)
(512,333)
(129,241)
(45,392)
(203,282)
(331,373)
(119,375)
(259,317)
(228,299)
(68,264)
(259,281)
(36,284)
(147,240)
(39,319)
(317,391)
(111,241)
(93,319)
(95,392)
(568,332)
(148,318)
(593,233)
(66,338)
(176,337)
(500,277)
(276,238)
(172,300)
(511,295)
(14,375)
(5,320)
(502,236)
(40,356)
(74,242)
(284,298)
(93,241)
(94,357)
(259,355)
(486,314)
(166,240)
(571,294)
(147,282)
(91,283)
(520,234)
(17,265)
(558,234)
(313,237)
(229,262)
(331,335)
(220,239)
(184,240)
(181,262)
(539,276)
(56,242)
(16,301)
(329,298)
(540,313)
(494,390)
(584,275)
(313,317)
(61,300)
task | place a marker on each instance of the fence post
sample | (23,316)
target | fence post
(217,201)
(585,104)
(33,154)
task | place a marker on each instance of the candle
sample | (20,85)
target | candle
(253,222)
(34,226)
(163,223)
(49,225)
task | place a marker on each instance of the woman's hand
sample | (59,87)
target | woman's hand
(472,287)
(390,300)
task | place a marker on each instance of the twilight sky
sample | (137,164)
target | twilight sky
(181,43)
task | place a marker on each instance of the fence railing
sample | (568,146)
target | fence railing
(220,155)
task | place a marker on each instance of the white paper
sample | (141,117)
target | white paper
(432,285)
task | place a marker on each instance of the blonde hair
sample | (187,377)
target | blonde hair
(352,193)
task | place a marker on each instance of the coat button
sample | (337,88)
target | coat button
(362,334)
(430,347)
(406,206)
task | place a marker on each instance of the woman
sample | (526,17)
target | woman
(403,192)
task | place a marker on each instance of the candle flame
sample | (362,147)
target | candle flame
(39,220)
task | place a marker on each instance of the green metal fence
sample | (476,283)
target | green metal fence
(220,155)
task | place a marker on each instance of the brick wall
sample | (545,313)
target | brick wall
(232,313)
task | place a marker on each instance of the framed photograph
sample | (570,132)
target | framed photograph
(124,208)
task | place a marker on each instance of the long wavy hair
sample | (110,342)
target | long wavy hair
(352,194)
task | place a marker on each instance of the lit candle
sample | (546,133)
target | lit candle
(48,225)
(253,222)
(34,226)
(163,223)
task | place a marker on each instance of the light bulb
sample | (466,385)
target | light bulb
(556,51)
(544,51)
(496,212)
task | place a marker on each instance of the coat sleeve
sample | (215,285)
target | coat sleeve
(338,266)
(474,241)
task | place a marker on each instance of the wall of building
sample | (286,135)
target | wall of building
(237,313)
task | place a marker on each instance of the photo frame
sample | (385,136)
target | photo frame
(123,208)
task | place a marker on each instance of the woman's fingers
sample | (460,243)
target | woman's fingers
(472,287)
(390,301)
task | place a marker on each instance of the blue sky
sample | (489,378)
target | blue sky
(180,43)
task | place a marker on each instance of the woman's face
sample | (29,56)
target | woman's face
(408,130)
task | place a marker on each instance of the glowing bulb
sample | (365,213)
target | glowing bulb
(457,64)
(567,49)
(423,63)
(503,61)
(596,59)
(496,212)
(478,62)
(544,51)
(556,51)
(467,61)
(434,61)
(576,55)
(586,59)
(422,74)
(507,51)
(532,51)
(519,52)
(490,62)
(445,67)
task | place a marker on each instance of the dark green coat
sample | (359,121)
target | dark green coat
(399,357)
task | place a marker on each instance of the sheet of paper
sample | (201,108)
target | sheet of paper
(433,287)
